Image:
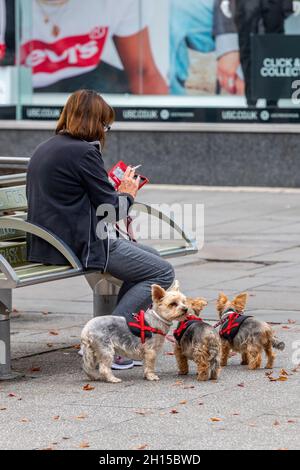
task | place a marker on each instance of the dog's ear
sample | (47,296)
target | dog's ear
(221,302)
(198,304)
(157,293)
(239,302)
(175,285)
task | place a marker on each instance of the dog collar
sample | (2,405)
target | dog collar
(225,315)
(166,322)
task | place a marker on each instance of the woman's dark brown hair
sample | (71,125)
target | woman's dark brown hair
(86,116)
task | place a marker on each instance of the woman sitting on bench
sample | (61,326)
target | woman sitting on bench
(67,183)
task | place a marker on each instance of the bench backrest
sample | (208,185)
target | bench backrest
(13,242)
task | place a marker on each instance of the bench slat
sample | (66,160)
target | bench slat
(13,198)
(14,253)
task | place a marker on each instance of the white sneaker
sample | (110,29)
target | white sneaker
(122,363)
(138,363)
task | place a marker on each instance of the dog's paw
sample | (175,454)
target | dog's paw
(183,372)
(151,377)
(114,380)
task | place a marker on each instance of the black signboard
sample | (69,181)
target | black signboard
(7,112)
(183,115)
(275,66)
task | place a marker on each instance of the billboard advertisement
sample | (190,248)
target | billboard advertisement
(187,48)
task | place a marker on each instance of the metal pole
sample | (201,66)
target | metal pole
(5,358)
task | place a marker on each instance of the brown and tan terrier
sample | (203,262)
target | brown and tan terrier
(244,334)
(199,342)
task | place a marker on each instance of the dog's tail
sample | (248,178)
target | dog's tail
(89,358)
(212,349)
(278,344)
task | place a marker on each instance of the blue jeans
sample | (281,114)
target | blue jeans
(138,266)
(191,26)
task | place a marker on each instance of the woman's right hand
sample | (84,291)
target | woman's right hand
(129,185)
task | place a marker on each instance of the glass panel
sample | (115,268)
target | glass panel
(138,53)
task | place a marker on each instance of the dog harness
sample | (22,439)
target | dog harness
(140,328)
(231,324)
(184,325)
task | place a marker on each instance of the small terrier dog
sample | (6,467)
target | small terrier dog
(197,341)
(244,334)
(103,337)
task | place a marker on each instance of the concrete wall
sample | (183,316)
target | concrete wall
(201,158)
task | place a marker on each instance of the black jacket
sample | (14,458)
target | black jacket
(223,24)
(66,182)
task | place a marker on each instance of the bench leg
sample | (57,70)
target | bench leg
(105,294)
(5,357)
(105,297)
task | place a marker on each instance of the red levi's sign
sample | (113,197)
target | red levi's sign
(73,51)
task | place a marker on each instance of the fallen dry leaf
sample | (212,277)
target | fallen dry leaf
(45,312)
(215,420)
(282,378)
(276,423)
(200,403)
(183,402)
(81,416)
(11,395)
(141,412)
(174,411)
(284,372)
(141,447)
(84,445)
(3,409)
(53,333)
(56,418)
(292,322)
(291,421)
(24,420)
(284,327)
(47,448)
(35,369)
(169,353)
(242,385)
(49,345)
(177,383)
(76,346)
(186,387)
(88,387)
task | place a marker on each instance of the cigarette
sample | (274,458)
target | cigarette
(136,167)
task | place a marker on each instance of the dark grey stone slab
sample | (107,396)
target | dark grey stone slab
(226,159)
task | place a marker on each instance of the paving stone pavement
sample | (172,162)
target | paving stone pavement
(251,243)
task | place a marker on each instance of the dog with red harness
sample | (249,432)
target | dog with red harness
(142,338)
(244,334)
(196,340)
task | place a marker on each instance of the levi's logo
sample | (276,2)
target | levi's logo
(76,51)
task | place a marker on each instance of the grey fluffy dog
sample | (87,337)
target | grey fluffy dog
(103,337)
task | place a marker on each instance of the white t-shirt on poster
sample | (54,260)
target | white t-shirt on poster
(82,28)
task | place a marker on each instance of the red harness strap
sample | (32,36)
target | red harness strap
(183,325)
(140,325)
(232,323)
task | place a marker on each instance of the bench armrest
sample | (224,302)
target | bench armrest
(27,227)
(190,244)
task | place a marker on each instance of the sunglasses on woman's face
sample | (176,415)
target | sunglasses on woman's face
(106,128)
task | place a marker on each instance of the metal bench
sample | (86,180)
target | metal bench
(16,271)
